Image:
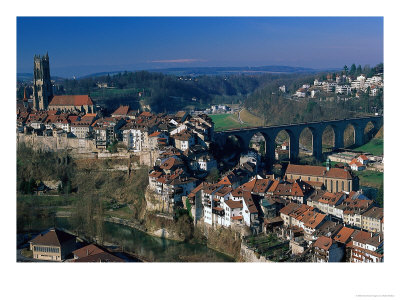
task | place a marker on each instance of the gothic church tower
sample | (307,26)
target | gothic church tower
(42,87)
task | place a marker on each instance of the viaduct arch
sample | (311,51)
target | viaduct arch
(294,130)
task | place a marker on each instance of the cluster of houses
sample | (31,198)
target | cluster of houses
(138,131)
(341,85)
(58,245)
(317,209)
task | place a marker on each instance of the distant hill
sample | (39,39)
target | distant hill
(232,70)
(25,77)
(197,71)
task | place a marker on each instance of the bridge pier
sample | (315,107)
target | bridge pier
(339,137)
(294,147)
(317,144)
(269,150)
(359,135)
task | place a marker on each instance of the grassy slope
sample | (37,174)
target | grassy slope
(248,118)
(230,121)
(225,121)
(374,146)
(370,178)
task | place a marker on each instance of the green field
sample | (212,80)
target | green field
(226,121)
(370,178)
(374,146)
(230,121)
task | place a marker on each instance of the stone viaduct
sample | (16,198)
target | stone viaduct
(269,133)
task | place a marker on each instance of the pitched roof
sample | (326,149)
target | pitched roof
(274,186)
(261,185)
(196,189)
(223,191)
(171,162)
(344,235)
(305,170)
(355,162)
(338,173)
(248,199)
(156,133)
(362,237)
(87,250)
(238,192)
(182,136)
(374,212)
(234,204)
(323,242)
(288,209)
(53,237)
(71,100)
(318,171)
(121,111)
(100,257)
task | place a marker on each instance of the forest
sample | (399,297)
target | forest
(256,92)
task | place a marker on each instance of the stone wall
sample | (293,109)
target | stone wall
(56,143)
(249,255)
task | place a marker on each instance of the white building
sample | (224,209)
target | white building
(329,87)
(343,89)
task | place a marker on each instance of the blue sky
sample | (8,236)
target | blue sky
(79,46)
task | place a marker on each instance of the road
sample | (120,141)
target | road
(240,120)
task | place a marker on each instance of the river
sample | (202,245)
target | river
(149,247)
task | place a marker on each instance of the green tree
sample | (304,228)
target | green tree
(353,70)
(213,176)
(346,69)
(379,196)
(359,70)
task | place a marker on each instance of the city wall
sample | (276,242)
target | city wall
(82,148)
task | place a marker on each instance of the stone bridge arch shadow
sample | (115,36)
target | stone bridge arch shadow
(330,136)
(231,147)
(277,139)
(370,130)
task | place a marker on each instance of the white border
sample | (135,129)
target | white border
(194,281)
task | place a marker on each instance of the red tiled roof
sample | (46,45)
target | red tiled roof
(54,237)
(156,133)
(238,192)
(323,242)
(121,111)
(223,191)
(248,199)
(305,170)
(362,237)
(87,250)
(273,186)
(234,204)
(314,220)
(288,209)
(237,218)
(338,173)
(344,235)
(171,162)
(100,257)
(71,100)
(155,174)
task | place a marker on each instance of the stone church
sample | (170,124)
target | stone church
(43,98)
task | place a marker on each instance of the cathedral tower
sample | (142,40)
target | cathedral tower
(42,87)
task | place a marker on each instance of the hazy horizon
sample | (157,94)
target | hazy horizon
(79,46)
